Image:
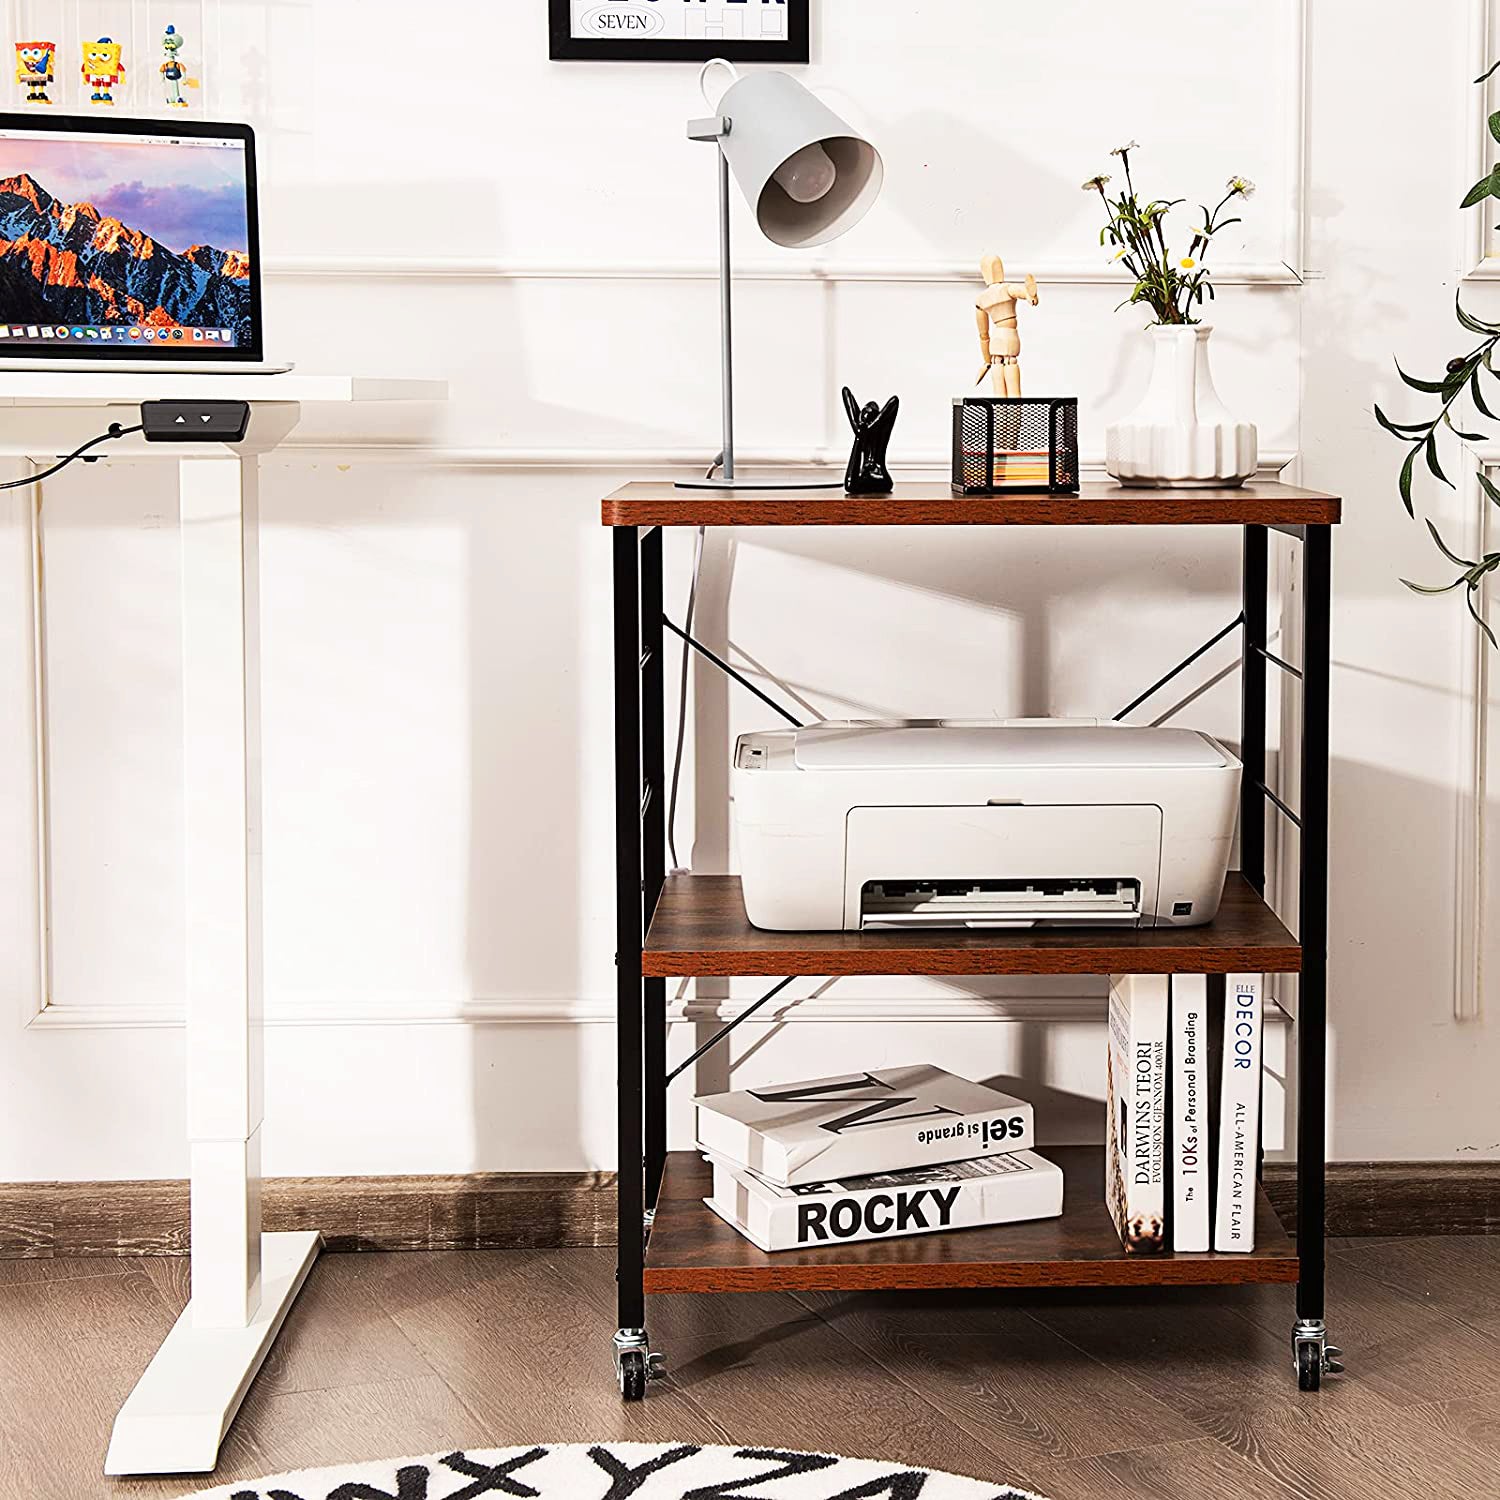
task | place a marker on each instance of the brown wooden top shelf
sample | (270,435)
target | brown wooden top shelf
(1100,503)
(692,1250)
(700,931)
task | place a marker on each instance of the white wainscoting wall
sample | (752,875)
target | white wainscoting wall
(436,699)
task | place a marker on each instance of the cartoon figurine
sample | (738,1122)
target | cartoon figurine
(174,75)
(999,338)
(34,69)
(867,473)
(102,69)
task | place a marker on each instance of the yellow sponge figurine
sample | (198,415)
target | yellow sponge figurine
(34,69)
(102,69)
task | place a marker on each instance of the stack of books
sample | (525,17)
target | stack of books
(1183,1088)
(869,1156)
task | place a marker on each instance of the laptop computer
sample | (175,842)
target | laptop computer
(129,245)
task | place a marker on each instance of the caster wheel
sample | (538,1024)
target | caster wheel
(633,1375)
(1309,1366)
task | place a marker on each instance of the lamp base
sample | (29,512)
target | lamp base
(759,484)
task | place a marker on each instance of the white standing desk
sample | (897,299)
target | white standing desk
(243,1281)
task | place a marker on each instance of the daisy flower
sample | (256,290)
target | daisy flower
(1128,146)
(1241,185)
(1095,184)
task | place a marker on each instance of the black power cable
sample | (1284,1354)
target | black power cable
(115,431)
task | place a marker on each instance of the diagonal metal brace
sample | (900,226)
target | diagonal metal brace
(1181,666)
(719,1035)
(729,671)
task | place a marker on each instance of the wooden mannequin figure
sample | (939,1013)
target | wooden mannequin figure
(999,338)
(867,473)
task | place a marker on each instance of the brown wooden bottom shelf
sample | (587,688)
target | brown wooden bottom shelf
(692,1250)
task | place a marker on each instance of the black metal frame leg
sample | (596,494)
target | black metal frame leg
(629,993)
(1253,710)
(654,861)
(1312,992)
(1312,1353)
(640,871)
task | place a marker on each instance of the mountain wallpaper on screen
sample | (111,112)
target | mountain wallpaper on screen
(66,263)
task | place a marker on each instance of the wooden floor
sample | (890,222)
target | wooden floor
(1077,1395)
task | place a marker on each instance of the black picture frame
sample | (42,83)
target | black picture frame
(103,124)
(565,47)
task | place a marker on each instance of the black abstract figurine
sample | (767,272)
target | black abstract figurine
(867,473)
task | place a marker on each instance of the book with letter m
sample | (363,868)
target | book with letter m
(850,1126)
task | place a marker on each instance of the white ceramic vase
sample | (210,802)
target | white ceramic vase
(1181,435)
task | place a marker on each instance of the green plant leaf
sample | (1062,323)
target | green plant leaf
(1434,465)
(1406,431)
(1495,124)
(1430,387)
(1404,483)
(1468,320)
(1478,618)
(1489,486)
(1479,192)
(1442,546)
(1487,72)
(1478,396)
(1431,588)
(1458,432)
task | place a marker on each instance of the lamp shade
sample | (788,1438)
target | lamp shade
(782,137)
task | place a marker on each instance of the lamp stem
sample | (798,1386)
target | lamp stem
(726,318)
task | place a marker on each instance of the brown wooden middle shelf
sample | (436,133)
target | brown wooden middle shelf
(691,1249)
(700,931)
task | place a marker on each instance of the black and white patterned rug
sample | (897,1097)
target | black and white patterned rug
(619,1471)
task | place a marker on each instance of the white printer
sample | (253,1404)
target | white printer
(982,823)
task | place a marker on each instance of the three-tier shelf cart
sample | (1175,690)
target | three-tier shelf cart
(694,926)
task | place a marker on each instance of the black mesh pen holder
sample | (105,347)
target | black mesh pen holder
(1008,445)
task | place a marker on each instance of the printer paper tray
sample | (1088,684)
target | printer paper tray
(1026,906)
(910,868)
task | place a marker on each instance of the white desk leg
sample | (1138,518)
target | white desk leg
(243,1282)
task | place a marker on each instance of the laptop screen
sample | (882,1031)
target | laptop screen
(137,242)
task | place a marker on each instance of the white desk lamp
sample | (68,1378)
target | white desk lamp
(807,175)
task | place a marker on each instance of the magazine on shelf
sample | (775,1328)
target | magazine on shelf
(858,1123)
(1135,1095)
(1187,1138)
(1239,1114)
(1000,1189)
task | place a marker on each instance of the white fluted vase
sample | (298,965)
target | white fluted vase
(1181,435)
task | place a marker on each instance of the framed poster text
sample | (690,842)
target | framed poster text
(680,30)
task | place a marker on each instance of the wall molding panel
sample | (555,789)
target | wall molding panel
(1474,834)
(546,1010)
(40,1013)
(1481,249)
(630,462)
(1291,82)
(481,268)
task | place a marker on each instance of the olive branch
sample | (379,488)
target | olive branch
(1460,378)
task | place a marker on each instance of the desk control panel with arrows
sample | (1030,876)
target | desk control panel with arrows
(195,421)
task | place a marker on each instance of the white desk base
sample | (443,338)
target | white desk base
(243,1281)
(177,1415)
